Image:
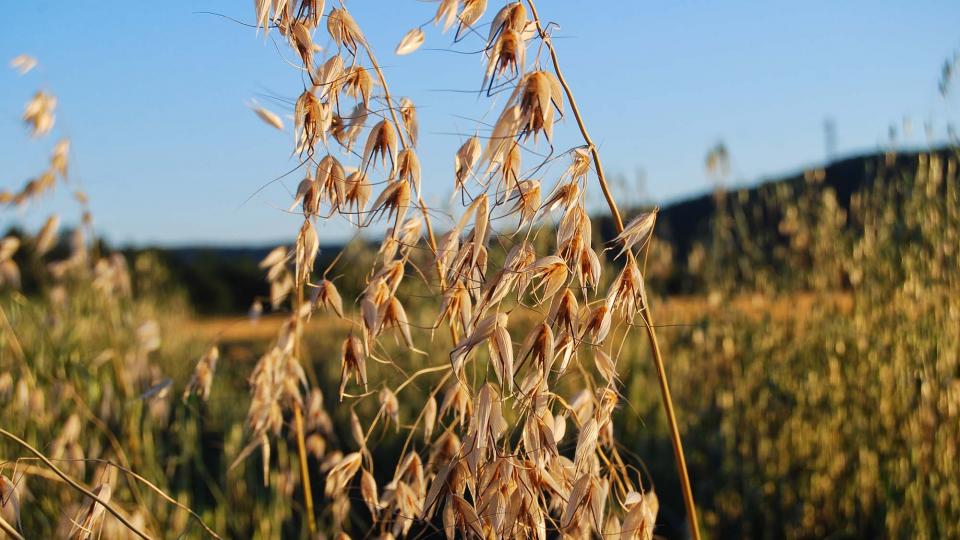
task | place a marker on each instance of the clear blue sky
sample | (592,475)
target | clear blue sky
(153,97)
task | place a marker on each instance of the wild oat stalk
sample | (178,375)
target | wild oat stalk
(492,461)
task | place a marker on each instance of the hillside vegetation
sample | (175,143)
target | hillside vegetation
(815,365)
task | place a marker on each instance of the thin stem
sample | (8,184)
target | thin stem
(9,530)
(647,318)
(74,484)
(304,471)
(298,420)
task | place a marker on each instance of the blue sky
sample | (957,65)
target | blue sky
(153,96)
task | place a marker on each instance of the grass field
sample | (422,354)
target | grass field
(514,367)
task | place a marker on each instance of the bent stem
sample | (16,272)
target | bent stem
(647,318)
(74,484)
(9,530)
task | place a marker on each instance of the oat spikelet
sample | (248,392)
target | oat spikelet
(39,114)
(446,13)
(408,115)
(268,117)
(47,237)
(310,12)
(506,57)
(471,13)
(327,296)
(408,168)
(344,30)
(306,251)
(202,379)
(352,361)
(311,121)
(637,232)
(87,525)
(340,475)
(467,157)
(393,201)
(9,502)
(358,84)
(23,63)
(59,158)
(411,41)
(382,141)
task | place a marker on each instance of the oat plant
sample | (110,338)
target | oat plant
(514,436)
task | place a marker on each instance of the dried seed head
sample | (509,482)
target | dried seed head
(9,502)
(23,63)
(637,232)
(368,490)
(506,56)
(627,293)
(302,42)
(467,156)
(86,525)
(565,196)
(352,361)
(329,78)
(327,296)
(58,159)
(539,96)
(267,116)
(358,84)
(393,201)
(202,379)
(39,113)
(344,30)
(357,193)
(551,271)
(446,12)
(307,246)
(502,139)
(539,347)
(408,115)
(390,406)
(310,12)
(429,417)
(47,236)
(411,41)
(382,141)
(471,13)
(331,182)
(597,324)
(512,16)
(408,168)
(340,474)
(311,121)
(8,246)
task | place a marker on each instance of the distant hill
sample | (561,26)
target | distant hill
(685,222)
(226,279)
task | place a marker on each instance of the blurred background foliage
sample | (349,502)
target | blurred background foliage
(811,337)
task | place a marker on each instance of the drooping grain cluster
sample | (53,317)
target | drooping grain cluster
(496,457)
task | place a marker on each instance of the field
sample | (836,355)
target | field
(823,409)
(482,380)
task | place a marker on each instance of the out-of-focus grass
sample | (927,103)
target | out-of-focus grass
(816,377)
